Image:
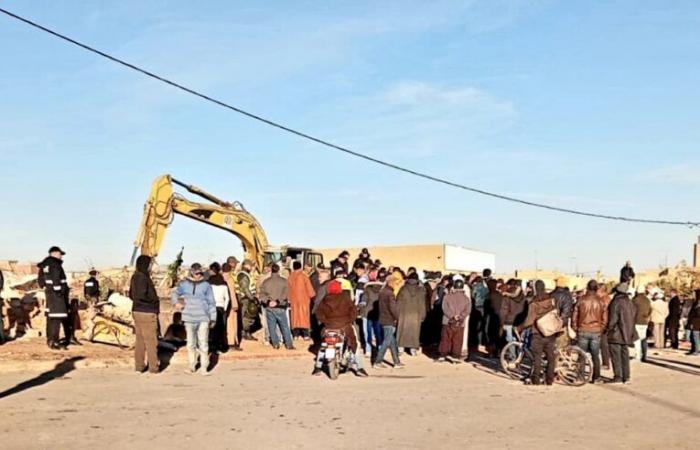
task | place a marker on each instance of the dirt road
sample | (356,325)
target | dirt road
(277,404)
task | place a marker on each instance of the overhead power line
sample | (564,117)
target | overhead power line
(341,148)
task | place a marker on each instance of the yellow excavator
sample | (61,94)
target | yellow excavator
(164,203)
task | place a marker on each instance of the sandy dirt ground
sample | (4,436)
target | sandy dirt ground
(275,403)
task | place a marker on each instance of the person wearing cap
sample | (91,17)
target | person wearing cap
(194,298)
(659,313)
(246,293)
(590,320)
(91,288)
(363,258)
(340,262)
(232,261)
(621,332)
(52,278)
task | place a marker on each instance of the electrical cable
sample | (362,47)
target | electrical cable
(341,148)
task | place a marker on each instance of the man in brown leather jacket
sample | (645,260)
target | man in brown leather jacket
(542,304)
(590,320)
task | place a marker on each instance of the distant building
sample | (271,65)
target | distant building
(433,257)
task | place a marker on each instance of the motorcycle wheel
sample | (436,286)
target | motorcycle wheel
(333,369)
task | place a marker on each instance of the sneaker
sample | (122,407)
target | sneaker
(380,365)
(190,370)
(205,372)
(317,371)
(627,382)
(276,346)
(399,365)
(615,381)
(441,359)
(291,347)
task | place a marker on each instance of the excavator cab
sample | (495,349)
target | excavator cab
(278,255)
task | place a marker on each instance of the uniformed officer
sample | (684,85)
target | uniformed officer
(247,296)
(53,279)
(91,288)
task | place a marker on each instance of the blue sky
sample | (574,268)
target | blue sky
(588,105)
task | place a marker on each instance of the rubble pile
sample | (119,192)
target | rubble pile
(682,278)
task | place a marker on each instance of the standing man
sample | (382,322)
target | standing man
(694,325)
(194,298)
(673,321)
(145,310)
(590,320)
(604,296)
(267,271)
(477,318)
(300,294)
(455,308)
(341,262)
(627,274)
(542,304)
(642,306)
(389,319)
(274,295)
(232,337)
(2,320)
(248,301)
(659,313)
(53,279)
(621,333)
(363,258)
(565,306)
(412,312)
(91,289)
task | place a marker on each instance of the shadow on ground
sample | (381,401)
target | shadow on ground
(61,369)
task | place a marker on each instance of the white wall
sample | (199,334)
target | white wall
(467,260)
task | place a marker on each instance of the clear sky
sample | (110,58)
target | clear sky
(587,104)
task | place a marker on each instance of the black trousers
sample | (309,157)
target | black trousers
(543,345)
(53,329)
(621,361)
(477,330)
(219,339)
(672,328)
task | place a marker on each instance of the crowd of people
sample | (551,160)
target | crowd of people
(452,317)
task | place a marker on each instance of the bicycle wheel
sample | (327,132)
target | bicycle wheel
(574,366)
(516,361)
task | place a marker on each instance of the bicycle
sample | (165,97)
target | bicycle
(574,366)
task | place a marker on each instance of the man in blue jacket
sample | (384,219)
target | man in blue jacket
(194,298)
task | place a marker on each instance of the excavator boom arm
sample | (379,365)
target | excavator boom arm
(163,203)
